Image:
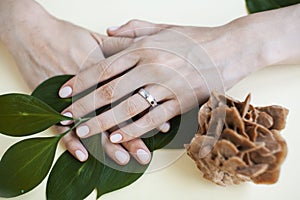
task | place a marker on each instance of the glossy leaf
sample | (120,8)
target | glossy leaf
(25,165)
(263,5)
(115,177)
(71,179)
(22,115)
(48,92)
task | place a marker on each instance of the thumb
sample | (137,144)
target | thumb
(112,45)
(135,28)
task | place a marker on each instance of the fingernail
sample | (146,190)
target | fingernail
(82,131)
(143,155)
(121,156)
(165,127)
(113,28)
(65,92)
(67,122)
(80,155)
(116,138)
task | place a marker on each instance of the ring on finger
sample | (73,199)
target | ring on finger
(148,97)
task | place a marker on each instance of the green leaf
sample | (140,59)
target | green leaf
(22,115)
(25,165)
(71,179)
(115,177)
(48,92)
(263,5)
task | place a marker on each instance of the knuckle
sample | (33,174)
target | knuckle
(173,108)
(69,142)
(133,145)
(150,120)
(79,83)
(134,22)
(106,92)
(101,124)
(104,70)
(81,108)
(132,107)
(69,145)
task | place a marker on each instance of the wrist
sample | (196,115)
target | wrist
(16,16)
(278,32)
(234,49)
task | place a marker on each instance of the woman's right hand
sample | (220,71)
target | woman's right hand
(44,46)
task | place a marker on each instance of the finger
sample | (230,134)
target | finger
(135,28)
(115,151)
(112,45)
(148,122)
(106,94)
(164,128)
(104,70)
(138,150)
(73,144)
(122,112)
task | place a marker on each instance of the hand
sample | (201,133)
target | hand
(44,46)
(171,63)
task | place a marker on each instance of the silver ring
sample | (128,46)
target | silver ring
(146,95)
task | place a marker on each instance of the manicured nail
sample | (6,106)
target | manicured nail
(115,138)
(113,28)
(121,156)
(67,122)
(165,127)
(82,131)
(143,155)
(80,155)
(65,92)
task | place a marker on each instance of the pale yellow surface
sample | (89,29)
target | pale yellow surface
(181,180)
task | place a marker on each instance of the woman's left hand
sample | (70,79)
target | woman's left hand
(172,64)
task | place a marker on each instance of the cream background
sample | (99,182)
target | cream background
(181,180)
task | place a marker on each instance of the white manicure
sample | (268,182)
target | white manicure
(143,155)
(65,92)
(67,122)
(113,28)
(82,131)
(80,155)
(165,127)
(116,138)
(121,157)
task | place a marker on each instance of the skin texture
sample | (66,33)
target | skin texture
(179,66)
